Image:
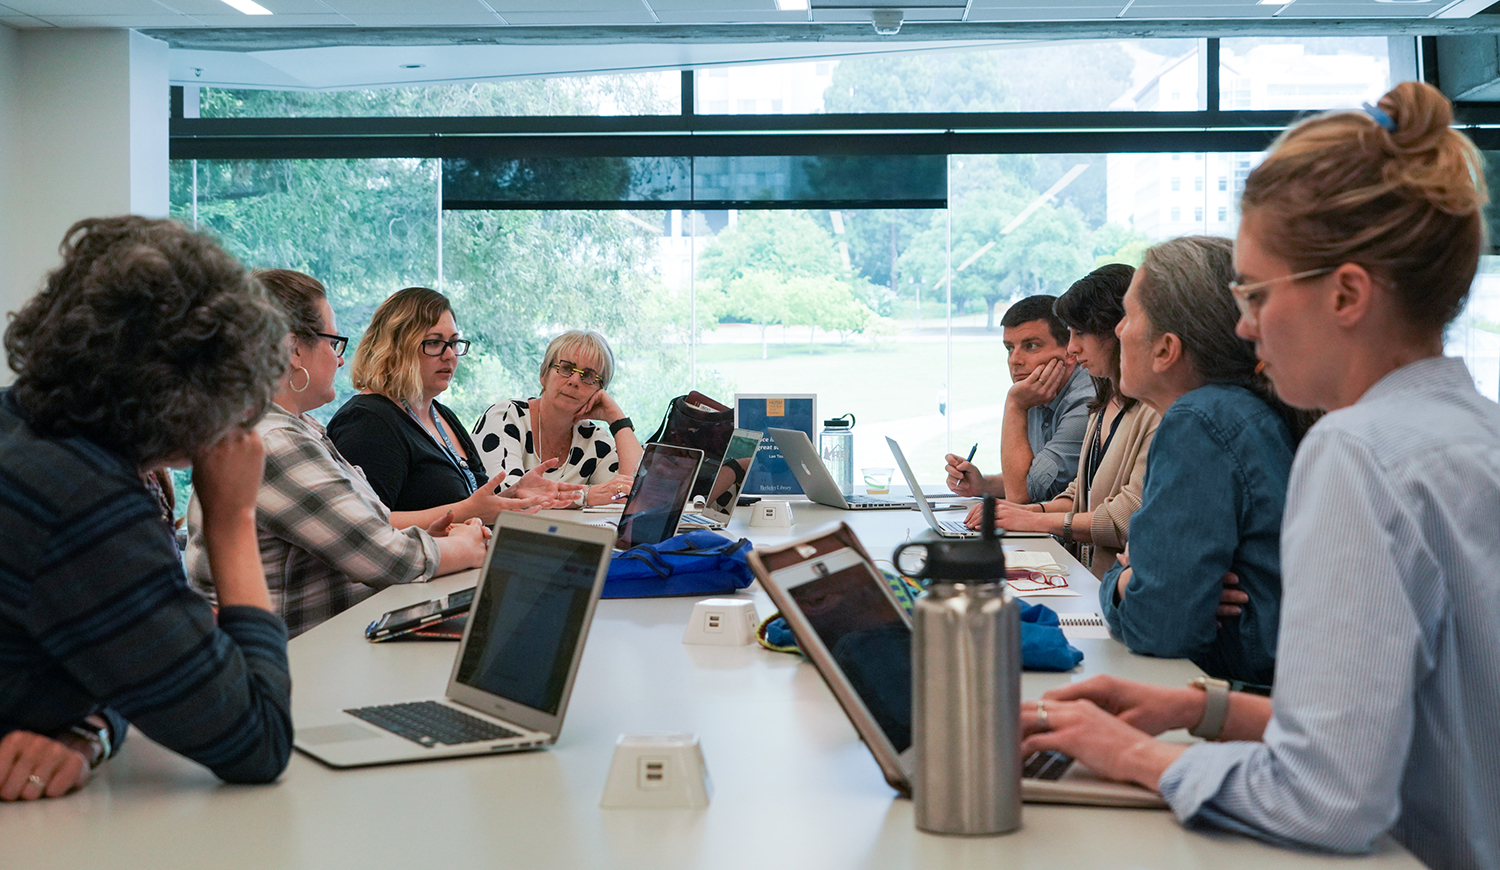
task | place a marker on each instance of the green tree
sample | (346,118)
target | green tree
(788,244)
(826,303)
(759,298)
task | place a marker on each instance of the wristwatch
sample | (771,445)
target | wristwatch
(622,423)
(1215,707)
(96,734)
(1067,532)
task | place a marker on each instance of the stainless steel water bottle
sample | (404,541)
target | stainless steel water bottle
(836,446)
(966,686)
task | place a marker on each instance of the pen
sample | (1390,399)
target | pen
(972,451)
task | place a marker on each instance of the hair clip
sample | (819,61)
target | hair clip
(1380,117)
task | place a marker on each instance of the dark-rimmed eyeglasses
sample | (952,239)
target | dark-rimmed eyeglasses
(339,342)
(589,377)
(436,346)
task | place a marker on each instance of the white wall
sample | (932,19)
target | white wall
(87,114)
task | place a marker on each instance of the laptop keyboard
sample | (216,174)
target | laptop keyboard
(700,520)
(957,528)
(430,723)
(873,501)
(1049,764)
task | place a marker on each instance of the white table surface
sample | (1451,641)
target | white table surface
(793,787)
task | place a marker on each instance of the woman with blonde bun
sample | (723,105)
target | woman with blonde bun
(1360,237)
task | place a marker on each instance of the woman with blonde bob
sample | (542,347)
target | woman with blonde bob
(413,450)
(1360,237)
(557,430)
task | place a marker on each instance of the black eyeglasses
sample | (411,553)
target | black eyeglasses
(436,346)
(589,377)
(339,342)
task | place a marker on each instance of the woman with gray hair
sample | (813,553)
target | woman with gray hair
(1216,473)
(559,425)
(148,347)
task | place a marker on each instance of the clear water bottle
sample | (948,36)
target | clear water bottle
(836,446)
(966,686)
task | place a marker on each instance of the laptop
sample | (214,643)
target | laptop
(818,482)
(946,528)
(514,670)
(660,492)
(849,624)
(739,456)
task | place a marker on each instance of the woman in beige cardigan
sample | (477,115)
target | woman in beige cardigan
(1094,511)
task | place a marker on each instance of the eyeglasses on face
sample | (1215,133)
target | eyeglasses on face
(338,342)
(588,377)
(1249,297)
(436,346)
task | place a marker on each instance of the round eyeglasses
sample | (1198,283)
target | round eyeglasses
(436,346)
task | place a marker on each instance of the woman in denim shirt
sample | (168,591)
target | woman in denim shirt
(1216,474)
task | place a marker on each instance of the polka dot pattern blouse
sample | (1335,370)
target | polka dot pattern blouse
(503,435)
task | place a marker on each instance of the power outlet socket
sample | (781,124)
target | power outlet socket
(722,622)
(657,770)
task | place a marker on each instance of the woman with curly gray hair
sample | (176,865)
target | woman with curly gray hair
(149,347)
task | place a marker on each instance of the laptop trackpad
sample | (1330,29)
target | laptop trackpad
(322,734)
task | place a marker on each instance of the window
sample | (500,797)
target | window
(1198,214)
(1223,183)
(1198,183)
(1176,183)
(1299,72)
(1176,214)
(1223,214)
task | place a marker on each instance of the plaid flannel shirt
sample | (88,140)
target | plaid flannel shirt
(325,537)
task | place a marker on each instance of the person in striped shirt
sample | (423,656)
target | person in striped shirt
(148,347)
(1360,238)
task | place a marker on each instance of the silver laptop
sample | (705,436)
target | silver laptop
(850,626)
(946,528)
(816,480)
(718,507)
(514,670)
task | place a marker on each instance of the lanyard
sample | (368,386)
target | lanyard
(1097,451)
(446,444)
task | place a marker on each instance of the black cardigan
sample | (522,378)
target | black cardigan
(405,466)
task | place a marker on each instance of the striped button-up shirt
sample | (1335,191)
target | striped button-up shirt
(325,536)
(1387,702)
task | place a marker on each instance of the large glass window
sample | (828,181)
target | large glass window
(652,93)
(1095,75)
(1302,72)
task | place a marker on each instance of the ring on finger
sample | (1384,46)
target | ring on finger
(37,781)
(1041,715)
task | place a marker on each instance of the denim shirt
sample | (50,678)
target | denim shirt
(1216,480)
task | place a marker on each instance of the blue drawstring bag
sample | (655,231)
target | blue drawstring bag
(699,562)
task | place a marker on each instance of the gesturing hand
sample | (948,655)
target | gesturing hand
(535,484)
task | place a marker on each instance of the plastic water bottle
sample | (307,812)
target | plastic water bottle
(966,686)
(836,446)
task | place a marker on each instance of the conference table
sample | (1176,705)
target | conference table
(792,786)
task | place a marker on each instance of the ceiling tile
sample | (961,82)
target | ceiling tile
(505,7)
(164,19)
(425,19)
(437,8)
(24,22)
(734,16)
(714,5)
(57,8)
(236,19)
(637,17)
(1043,13)
(862,16)
(1210,7)
(1200,10)
(198,8)
(1363,10)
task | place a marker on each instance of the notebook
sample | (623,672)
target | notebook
(850,626)
(946,528)
(514,670)
(816,480)
(658,495)
(718,507)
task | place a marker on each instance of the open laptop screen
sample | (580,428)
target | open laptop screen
(660,490)
(865,634)
(528,618)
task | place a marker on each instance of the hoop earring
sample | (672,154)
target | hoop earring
(304,387)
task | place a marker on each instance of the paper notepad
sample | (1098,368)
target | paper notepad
(1083,625)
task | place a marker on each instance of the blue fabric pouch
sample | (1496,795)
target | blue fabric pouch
(1043,646)
(699,562)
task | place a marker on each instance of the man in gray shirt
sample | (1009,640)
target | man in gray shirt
(1046,411)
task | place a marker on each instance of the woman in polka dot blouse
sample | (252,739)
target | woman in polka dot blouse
(564,423)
